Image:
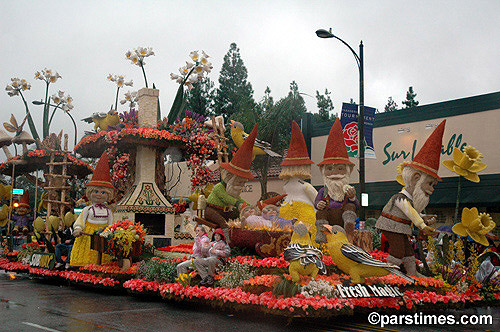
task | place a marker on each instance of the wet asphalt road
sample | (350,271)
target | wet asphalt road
(28,305)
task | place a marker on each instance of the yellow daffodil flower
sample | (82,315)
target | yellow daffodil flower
(474,225)
(466,163)
(399,177)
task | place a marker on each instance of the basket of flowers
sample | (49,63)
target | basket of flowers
(124,239)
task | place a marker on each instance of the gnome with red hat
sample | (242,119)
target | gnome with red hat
(22,219)
(404,208)
(95,216)
(224,202)
(299,202)
(336,201)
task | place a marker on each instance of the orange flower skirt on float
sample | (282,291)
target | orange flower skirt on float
(81,254)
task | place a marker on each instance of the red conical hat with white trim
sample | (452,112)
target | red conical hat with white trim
(101,176)
(271,200)
(335,151)
(25,200)
(297,150)
(427,159)
(240,164)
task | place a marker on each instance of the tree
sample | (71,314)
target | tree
(200,98)
(275,126)
(325,106)
(235,93)
(410,101)
(391,105)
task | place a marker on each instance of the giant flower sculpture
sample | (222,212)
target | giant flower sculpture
(137,58)
(475,225)
(466,163)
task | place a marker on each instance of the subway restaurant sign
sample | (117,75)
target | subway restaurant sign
(455,141)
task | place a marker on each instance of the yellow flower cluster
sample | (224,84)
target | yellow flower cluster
(185,278)
(474,225)
(124,239)
(466,163)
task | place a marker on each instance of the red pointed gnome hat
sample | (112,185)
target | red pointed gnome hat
(271,200)
(240,164)
(335,151)
(297,150)
(25,200)
(427,159)
(101,177)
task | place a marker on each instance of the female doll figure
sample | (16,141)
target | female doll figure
(95,216)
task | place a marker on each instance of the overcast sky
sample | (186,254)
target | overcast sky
(444,49)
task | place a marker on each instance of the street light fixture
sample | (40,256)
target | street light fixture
(322,33)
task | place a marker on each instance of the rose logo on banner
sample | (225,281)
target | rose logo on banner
(351,138)
(349,122)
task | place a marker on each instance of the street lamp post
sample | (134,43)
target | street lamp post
(322,33)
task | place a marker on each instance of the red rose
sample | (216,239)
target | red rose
(351,136)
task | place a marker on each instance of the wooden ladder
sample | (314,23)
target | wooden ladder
(53,187)
(220,140)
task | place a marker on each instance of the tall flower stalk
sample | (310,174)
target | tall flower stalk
(189,74)
(48,76)
(467,164)
(15,88)
(137,58)
(64,103)
(120,82)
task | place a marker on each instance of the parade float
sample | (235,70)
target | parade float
(308,261)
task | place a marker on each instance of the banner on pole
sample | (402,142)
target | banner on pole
(349,122)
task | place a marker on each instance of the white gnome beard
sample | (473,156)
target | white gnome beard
(420,199)
(335,185)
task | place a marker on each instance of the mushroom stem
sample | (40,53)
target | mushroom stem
(7,152)
(25,148)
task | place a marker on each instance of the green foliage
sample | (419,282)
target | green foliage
(147,252)
(201,97)
(159,271)
(287,288)
(178,105)
(234,274)
(391,105)
(325,106)
(410,101)
(235,93)
(275,126)
(370,225)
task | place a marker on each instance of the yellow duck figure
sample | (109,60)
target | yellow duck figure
(355,261)
(304,258)
(238,136)
(103,120)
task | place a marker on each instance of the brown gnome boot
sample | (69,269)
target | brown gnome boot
(320,236)
(349,218)
(411,266)
(394,261)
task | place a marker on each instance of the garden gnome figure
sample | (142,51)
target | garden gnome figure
(224,202)
(404,208)
(22,219)
(336,201)
(95,216)
(299,202)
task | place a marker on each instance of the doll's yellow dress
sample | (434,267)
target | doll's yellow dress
(299,203)
(92,218)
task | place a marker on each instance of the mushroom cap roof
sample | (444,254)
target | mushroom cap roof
(5,139)
(23,137)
